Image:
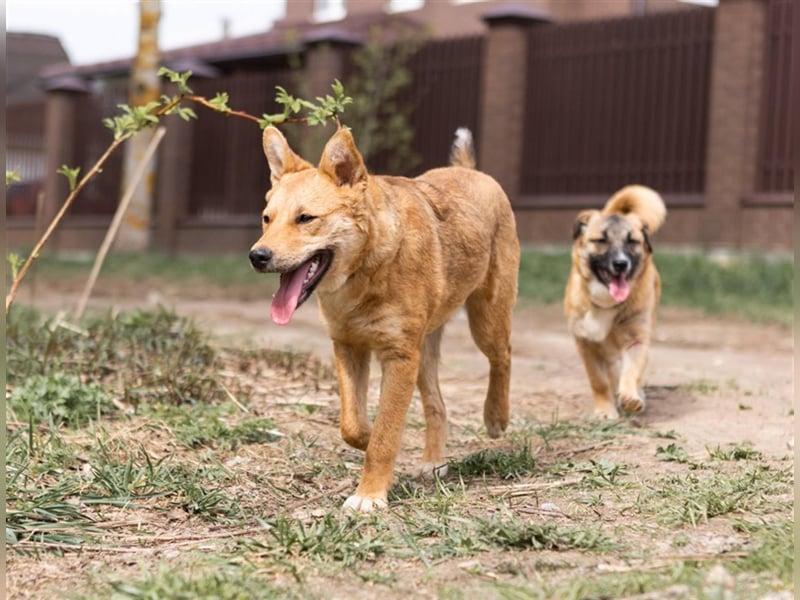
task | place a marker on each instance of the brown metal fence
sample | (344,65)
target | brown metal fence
(607,103)
(777,110)
(445,95)
(618,101)
(25,156)
(229,172)
(91,140)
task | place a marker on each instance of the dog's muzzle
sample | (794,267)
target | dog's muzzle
(260,259)
(620,265)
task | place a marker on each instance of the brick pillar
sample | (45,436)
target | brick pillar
(503,93)
(326,53)
(735,98)
(60,118)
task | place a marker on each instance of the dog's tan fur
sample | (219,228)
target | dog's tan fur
(407,253)
(613,334)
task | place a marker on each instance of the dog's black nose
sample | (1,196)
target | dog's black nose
(260,258)
(619,265)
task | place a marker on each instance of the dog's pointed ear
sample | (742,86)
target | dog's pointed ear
(581,222)
(280,157)
(341,160)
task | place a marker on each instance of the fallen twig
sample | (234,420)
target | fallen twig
(117,220)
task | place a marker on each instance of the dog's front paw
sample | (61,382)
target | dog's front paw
(495,427)
(429,470)
(364,504)
(606,412)
(632,403)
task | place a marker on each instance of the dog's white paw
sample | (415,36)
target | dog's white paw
(429,470)
(606,412)
(364,504)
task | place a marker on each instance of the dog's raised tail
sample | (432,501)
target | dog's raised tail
(641,200)
(462,154)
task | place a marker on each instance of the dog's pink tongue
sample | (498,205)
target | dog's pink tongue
(619,289)
(285,300)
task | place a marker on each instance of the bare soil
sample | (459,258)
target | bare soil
(712,380)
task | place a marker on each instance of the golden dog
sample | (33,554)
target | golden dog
(391,259)
(612,294)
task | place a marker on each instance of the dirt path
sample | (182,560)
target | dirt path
(712,381)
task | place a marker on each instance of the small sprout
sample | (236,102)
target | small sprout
(220,102)
(71,175)
(15,261)
(178,79)
(327,107)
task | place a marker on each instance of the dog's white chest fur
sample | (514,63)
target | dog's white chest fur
(595,324)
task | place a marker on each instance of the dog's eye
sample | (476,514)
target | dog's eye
(599,241)
(632,241)
(304,218)
(265,218)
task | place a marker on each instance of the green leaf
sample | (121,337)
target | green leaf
(220,102)
(267,120)
(71,175)
(15,261)
(186,113)
(178,79)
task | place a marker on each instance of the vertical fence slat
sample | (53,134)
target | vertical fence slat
(775,143)
(617,93)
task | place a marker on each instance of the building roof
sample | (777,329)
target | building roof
(26,55)
(276,41)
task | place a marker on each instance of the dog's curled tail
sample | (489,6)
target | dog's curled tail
(462,154)
(640,200)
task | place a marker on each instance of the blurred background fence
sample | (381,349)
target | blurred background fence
(695,103)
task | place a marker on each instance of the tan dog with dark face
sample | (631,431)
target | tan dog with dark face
(390,260)
(612,295)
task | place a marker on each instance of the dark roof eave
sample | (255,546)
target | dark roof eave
(514,11)
(121,67)
(246,54)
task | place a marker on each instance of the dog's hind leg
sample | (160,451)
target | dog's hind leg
(433,462)
(352,368)
(490,324)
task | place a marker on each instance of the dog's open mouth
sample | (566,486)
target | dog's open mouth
(618,287)
(297,285)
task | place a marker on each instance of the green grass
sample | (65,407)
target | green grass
(543,275)
(223,271)
(709,491)
(222,582)
(744,284)
(139,357)
(504,464)
(747,285)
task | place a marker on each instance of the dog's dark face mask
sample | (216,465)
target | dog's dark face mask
(615,250)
